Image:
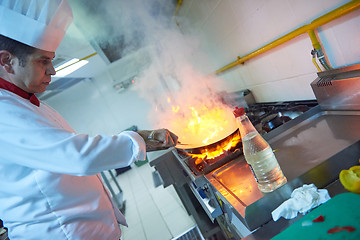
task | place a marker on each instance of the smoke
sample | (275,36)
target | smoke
(124,25)
(171,79)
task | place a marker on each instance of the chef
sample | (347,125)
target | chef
(50,187)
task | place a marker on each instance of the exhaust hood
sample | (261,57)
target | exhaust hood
(117,28)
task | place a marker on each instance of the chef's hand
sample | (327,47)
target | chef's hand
(159,139)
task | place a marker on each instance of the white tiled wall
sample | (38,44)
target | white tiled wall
(231,28)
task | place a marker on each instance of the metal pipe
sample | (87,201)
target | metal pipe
(84,58)
(88,56)
(315,63)
(318,50)
(321,56)
(177,7)
(313,38)
(175,14)
(338,12)
(324,62)
(313,53)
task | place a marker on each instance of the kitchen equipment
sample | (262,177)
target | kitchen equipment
(266,116)
(191,184)
(338,89)
(339,211)
(313,147)
(242,98)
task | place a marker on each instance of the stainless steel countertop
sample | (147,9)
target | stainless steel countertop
(313,148)
(271,229)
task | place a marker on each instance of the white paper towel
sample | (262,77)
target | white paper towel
(302,200)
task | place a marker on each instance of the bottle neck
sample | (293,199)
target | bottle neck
(245,125)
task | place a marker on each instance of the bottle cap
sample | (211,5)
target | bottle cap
(239,111)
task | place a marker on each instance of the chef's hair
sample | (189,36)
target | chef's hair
(18,49)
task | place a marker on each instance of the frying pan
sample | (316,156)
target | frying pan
(196,149)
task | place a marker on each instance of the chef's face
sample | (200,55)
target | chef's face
(35,75)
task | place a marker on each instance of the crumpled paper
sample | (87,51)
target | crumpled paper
(302,200)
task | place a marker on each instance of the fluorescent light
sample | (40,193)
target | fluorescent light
(66,64)
(69,67)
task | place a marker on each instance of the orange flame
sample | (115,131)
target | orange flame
(202,125)
(212,153)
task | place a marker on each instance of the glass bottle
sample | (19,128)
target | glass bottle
(259,155)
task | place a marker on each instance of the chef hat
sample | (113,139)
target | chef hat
(38,23)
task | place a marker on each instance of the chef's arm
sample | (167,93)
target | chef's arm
(158,139)
(36,142)
(60,151)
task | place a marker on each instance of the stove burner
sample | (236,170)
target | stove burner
(204,166)
(268,116)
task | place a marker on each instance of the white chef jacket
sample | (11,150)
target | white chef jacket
(49,182)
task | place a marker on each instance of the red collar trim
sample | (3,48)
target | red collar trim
(18,91)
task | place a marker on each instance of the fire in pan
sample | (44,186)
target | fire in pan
(204,159)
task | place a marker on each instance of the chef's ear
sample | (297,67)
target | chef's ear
(6,61)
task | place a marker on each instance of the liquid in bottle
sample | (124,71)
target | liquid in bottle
(259,155)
